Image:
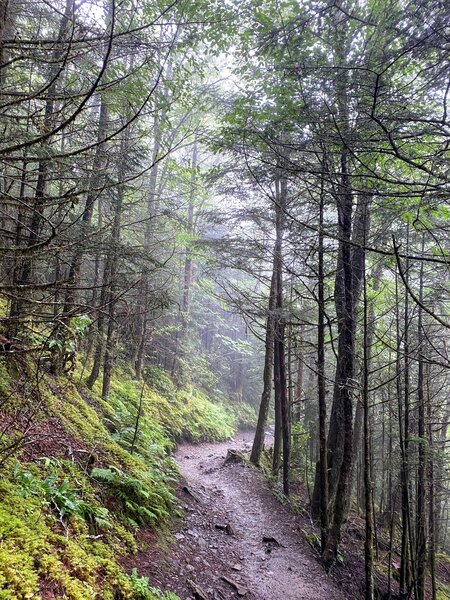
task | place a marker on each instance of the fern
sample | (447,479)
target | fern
(105,475)
(140,503)
(59,495)
(142,591)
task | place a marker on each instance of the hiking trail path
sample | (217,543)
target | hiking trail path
(235,538)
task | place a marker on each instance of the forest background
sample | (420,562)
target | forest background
(202,201)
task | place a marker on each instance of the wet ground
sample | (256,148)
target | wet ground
(235,538)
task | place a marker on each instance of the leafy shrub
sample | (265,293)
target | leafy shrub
(58,495)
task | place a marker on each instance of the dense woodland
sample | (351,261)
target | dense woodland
(249,199)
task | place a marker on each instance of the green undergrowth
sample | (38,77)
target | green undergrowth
(244,414)
(443,592)
(74,495)
(442,571)
(168,414)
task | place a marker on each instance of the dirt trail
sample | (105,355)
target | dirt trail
(234,494)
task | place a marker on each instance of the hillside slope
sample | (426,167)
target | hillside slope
(80,475)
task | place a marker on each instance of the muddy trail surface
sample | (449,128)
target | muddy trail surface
(235,538)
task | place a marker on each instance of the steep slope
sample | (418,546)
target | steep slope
(80,475)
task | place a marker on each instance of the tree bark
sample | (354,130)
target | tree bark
(188,268)
(94,190)
(258,441)
(281,393)
(114,263)
(279,371)
(24,274)
(144,288)
(421,542)
(368,493)
(340,438)
(321,386)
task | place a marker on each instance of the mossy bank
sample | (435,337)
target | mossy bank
(80,475)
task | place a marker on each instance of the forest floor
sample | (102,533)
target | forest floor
(235,539)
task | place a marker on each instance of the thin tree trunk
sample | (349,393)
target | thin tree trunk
(154,192)
(6,26)
(281,394)
(421,545)
(280,433)
(92,195)
(144,288)
(114,260)
(258,441)
(24,275)
(321,385)
(138,420)
(368,504)
(359,412)
(187,270)
(298,395)
(341,451)
(403,419)
(431,506)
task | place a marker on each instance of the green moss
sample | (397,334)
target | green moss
(64,520)
(18,576)
(5,382)
(442,557)
(443,592)
(32,550)
(3,306)
(168,415)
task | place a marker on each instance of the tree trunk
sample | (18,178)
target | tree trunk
(281,393)
(154,193)
(94,190)
(298,392)
(258,441)
(359,412)
(403,420)
(431,491)
(24,274)
(187,272)
(280,412)
(421,543)
(340,438)
(5,32)
(114,263)
(144,287)
(368,504)
(321,386)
